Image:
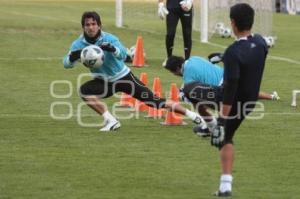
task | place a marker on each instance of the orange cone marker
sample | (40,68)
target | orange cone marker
(139,59)
(172,118)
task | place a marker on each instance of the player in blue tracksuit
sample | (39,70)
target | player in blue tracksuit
(198,69)
(113,76)
(115,59)
(196,72)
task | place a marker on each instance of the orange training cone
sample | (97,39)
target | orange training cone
(144,78)
(139,59)
(141,106)
(126,100)
(172,118)
(153,112)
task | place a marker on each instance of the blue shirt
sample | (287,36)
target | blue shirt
(113,67)
(197,69)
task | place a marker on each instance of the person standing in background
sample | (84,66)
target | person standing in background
(175,10)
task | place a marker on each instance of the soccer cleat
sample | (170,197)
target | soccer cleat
(201,131)
(164,63)
(275,96)
(111,126)
(222,194)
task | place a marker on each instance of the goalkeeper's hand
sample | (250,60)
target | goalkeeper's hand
(74,55)
(186,5)
(162,11)
(215,57)
(218,133)
(108,47)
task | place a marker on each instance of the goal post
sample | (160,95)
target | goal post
(217,11)
(207,13)
(204,21)
(119,13)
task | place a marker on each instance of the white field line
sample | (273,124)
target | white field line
(212,44)
(41,16)
(269,56)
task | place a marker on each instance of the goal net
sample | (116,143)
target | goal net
(134,14)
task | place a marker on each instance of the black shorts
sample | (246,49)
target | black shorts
(128,84)
(211,96)
(203,95)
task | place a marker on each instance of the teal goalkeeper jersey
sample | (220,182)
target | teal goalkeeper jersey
(113,67)
(197,69)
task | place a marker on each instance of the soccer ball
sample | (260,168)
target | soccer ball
(92,57)
(270,41)
(219,27)
(226,33)
(131,52)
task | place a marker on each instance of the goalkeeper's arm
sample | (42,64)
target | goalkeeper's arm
(162,10)
(186,5)
(71,58)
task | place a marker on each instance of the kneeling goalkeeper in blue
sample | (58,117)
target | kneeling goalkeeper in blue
(236,96)
(113,76)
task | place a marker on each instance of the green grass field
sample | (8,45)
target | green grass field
(42,157)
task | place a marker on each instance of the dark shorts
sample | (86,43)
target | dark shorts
(211,96)
(128,84)
(203,94)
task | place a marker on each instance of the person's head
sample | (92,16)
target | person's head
(174,65)
(242,17)
(91,25)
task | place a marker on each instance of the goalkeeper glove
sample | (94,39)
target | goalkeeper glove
(186,5)
(108,47)
(218,133)
(74,55)
(162,10)
(215,57)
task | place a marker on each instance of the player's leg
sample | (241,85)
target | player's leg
(237,114)
(94,90)
(186,19)
(204,97)
(171,23)
(268,96)
(139,91)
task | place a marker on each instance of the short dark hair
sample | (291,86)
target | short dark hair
(90,14)
(243,16)
(173,63)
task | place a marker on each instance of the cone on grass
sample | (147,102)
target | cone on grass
(156,89)
(138,58)
(141,106)
(144,78)
(126,100)
(172,118)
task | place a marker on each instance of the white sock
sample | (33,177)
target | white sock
(108,117)
(190,114)
(212,124)
(225,183)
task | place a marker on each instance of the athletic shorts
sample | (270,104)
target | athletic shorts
(203,94)
(128,84)
(211,96)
